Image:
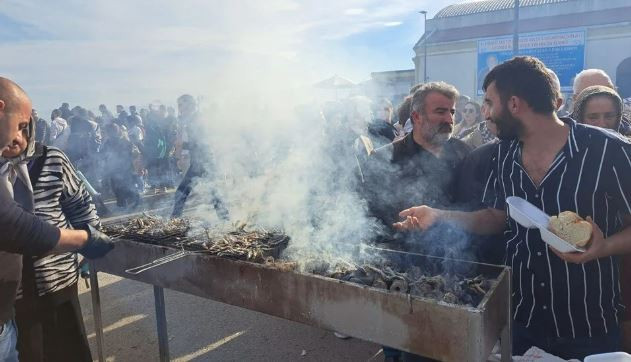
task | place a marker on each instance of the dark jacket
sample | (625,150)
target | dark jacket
(381,132)
(22,233)
(403,174)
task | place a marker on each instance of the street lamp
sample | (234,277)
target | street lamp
(424,45)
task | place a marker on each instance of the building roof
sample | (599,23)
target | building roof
(486,6)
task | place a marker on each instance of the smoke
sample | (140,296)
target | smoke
(284,165)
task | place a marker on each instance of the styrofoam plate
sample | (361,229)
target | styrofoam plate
(530,216)
(609,357)
(525,213)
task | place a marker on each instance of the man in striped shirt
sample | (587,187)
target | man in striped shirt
(566,304)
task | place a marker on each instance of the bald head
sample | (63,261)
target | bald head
(15,112)
(589,78)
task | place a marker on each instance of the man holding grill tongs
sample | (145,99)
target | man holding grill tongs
(567,304)
(21,233)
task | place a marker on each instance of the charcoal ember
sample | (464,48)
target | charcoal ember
(360,277)
(399,285)
(379,283)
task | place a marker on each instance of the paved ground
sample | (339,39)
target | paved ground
(203,330)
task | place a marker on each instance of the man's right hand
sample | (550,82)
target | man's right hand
(418,217)
(98,244)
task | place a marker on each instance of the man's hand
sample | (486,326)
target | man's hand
(98,244)
(418,217)
(597,248)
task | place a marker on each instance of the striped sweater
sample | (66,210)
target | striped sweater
(62,200)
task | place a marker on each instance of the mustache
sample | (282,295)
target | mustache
(445,128)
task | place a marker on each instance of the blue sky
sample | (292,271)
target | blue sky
(140,51)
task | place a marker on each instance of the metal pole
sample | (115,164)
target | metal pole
(424,45)
(161,321)
(506,336)
(516,29)
(96,311)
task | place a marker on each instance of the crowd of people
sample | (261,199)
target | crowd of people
(436,171)
(123,155)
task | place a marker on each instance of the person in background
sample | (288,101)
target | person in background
(460,104)
(66,113)
(156,149)
(106,115)
(48,313)
(59,130)
(22,232)
(83,144)
(118,154)
(558,165)
(136,135)
(144,113)
(592,77)
(601,106)
(380,129)
(201,159)
(133,113)
(471,117)
(482,134)
(122,116)
(598,106)
(42,128)
(403,113)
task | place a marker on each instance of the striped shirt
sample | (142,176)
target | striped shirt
(590,176)
(61,200)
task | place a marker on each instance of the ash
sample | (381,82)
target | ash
(450,288)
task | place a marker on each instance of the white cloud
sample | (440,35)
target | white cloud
(354,11)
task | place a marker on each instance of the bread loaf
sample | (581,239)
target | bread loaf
(571,228)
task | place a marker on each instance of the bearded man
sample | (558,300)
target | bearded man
(564,303)
(422,166)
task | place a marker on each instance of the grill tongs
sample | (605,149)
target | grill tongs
(160,261)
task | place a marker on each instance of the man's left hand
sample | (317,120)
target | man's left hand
(597,248)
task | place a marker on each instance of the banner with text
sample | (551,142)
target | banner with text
(563,52)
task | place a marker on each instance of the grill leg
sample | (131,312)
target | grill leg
(506,337)
(161,320)
(96,311)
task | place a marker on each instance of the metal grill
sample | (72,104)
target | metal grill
(418,325)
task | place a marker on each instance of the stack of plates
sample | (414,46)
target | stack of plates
(529,216)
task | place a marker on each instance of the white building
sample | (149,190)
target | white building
(393,85)
(568,35)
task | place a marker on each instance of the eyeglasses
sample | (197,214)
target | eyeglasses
(469,110)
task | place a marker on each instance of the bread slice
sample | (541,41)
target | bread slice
(571,228)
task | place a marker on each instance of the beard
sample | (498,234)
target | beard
(508,127)
(439,135)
